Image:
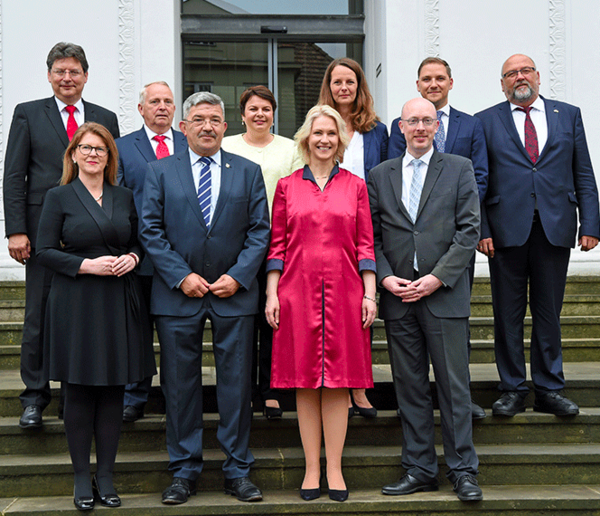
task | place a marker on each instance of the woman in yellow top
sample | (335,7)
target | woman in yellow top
(277,157)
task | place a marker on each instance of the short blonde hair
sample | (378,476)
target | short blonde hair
(302,135)
(71,170)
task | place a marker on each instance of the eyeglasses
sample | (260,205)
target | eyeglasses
(427,122)
(74,74)
(201,122)
(511,74)
(86,150)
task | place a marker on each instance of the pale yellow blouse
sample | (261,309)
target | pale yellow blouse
(278,159)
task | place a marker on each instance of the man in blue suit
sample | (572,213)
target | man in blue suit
(540,180)
(155,140)
(205,226)
(459,134)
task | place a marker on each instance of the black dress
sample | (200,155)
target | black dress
(94,332)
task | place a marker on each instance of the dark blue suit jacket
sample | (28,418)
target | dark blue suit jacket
(375,149)
(465,138)
(175,236)
(562,180)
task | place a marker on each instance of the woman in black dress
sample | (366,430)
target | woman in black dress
(93,336)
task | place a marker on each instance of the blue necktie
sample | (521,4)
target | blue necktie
(416,187)
(204,189)
(440,135)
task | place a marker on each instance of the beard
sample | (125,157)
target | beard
(522,94)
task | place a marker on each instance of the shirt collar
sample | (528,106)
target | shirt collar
(538,105)
(307,173)
(151,134)
(445,110)
(425,158)
(61,105)
(195,157)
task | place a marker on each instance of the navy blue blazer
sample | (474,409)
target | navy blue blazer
(135,152)
(561,182)
(375,147)
(175,236)
(465,138)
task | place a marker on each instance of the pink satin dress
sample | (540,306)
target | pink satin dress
(321,240)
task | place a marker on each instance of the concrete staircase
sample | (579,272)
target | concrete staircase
(532,464)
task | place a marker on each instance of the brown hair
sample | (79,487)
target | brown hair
(71,170)
(260,91)
(362,114)
(434,60)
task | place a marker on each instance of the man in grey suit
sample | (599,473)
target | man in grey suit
(39,134)
(155,140)
(205,226)
(425,210)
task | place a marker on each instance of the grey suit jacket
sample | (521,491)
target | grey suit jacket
(34,159)
(444,235)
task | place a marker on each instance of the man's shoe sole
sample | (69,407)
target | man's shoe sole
(424,489)
(256,498)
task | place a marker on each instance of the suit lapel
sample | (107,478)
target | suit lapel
(179,140)
(144,146)
(184,170)
(453,128)
(552,114)
(226,184)
(395,174)
(56,120)
(433,172)
(506,117)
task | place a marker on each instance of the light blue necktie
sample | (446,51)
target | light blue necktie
(440,135)
(416,187)
(204,188)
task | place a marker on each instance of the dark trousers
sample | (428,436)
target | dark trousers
(544,266)
(33,368)
(181,380)
(412,341)
(136,394)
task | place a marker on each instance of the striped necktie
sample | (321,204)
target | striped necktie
(416,187)
(204,189)
(531,141)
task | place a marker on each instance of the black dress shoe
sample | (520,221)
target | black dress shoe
(84,503)
(310,494)
(409,484)
(273,412)
(131,414)
(338,495)
(467,489)
(554,402)
(31,417)
(476,411)
(179,491)
(368,413)
(108,500)
(509,404)
(243,489)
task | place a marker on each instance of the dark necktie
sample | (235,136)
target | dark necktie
(71,122)
(205,189)
(531,141)
(162,151)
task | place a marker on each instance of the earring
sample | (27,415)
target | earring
(75,161)
(243,123)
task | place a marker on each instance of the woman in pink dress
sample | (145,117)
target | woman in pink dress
(321,293)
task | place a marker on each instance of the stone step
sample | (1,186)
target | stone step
(499,500)
(148,434)
(583,387)
(578,304)
(576,285)
(283,468)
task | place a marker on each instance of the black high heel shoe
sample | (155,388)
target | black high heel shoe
(84,503)
(338,495)
(313,494)
(109,500)
(368,413)
(272,412)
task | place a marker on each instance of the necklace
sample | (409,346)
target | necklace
(99,197)
(322,177)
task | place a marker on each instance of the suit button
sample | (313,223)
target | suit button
(209,237)
(534,169)
(415,232)
(532,195)
(207,264)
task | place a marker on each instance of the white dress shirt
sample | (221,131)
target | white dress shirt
(354,156)
(538,117)
(407,173)
(445,118)
(79,113)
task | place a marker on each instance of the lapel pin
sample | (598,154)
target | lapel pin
(227,165)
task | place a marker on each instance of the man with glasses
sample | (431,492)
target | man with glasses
(39,134)
(459,134)
(425,209)
(540,181)
(205,226)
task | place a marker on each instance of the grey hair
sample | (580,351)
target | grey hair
(146,86)
(64,50)
(202,97)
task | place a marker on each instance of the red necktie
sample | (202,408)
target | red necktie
(531,141)
(162,151)
(71,122)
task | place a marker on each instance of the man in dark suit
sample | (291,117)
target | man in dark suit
(39,134)
(540,178)
(155,140)
(425,210)
(205,226)
(459,134)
